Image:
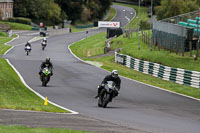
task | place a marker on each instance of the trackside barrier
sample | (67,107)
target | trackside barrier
(180,76)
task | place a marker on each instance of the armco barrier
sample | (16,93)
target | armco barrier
(180,76)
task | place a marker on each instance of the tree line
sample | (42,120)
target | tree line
(55,11)
(169,8)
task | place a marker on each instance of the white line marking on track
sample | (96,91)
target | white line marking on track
(23,81)
(30,111)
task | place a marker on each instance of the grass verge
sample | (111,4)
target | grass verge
(23,129)
(130,46)
(111,15)
(4,39)
(142,16)
(17,26)
(13,93)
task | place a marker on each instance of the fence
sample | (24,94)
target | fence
(180,76)
(170,36)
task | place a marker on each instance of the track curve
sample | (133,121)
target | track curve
(74,84)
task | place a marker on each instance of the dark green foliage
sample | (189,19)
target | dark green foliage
(38,10)
(144,25)
(55,11)
(171,8)
(84,10)
(20,20)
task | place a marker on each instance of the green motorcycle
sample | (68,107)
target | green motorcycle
(45,76)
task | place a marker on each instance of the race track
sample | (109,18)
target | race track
(74,84)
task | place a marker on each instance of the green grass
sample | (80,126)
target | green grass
(4,39)
(111,15)
(14,95)
(17,26)
(74,29)
(90,46)
(130,46)
(3,34)
(142,16)
(164,57)
(23,129)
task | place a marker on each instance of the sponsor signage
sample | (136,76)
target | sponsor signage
(109,24)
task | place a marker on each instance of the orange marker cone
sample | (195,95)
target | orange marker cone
(45,102)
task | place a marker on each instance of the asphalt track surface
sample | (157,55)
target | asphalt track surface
(139,107)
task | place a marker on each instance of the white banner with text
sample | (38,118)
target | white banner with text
(108,24)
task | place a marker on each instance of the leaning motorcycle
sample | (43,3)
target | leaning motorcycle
(43,45)
(45,76)
(107,94)
(27,50)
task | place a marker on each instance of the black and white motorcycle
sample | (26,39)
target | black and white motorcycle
(107,94)
(44,44)
(27,50)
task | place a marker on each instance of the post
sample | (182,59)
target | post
(190,43)
(176,47)
(197,47)
(142,36)
(170,46)
(183,48)
(151,39)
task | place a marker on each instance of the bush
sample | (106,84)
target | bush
(3,34)
(144,25)
(20,20)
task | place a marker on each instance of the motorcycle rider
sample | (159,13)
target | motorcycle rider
(44,40)
(48,64)
(111,77)
(27,44)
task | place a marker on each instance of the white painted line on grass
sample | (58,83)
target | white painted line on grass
(12,39)
(8,50)
(10,45)
(133,79)
(23,81)
(31,111)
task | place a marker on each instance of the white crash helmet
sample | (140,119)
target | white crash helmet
(114,73)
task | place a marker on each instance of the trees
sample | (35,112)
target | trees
(171,8)
(84,10)
(38,10)
(57,10)
(72,8)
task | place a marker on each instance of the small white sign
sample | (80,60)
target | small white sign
(109,24)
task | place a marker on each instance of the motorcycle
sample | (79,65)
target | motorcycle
(107,94)
(27,50)
(43,45)
(45,76)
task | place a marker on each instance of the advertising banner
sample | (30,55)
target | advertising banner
(108,24)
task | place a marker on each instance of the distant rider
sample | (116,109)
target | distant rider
(44,40)
(111,77)
(27,44)
(48,64)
